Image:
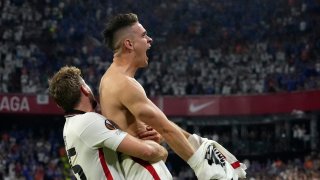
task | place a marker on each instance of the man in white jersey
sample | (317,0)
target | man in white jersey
(92,142)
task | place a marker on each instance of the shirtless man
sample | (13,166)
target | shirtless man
(124,100)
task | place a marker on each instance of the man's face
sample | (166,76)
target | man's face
(141,43)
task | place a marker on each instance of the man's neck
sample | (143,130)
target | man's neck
(84,109)
(125,66)
(84,105)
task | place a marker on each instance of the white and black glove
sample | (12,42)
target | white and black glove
(233,168)
(207,163)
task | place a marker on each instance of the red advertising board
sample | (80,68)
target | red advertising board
(27,104)
(185,105)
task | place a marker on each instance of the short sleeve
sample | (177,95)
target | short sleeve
(99,130)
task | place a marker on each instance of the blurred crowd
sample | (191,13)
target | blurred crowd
(32,154)
(38,154)
(220,47)
(200,47)
(307,168)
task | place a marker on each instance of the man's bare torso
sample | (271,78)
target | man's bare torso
(112,85)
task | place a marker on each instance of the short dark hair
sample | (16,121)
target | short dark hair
(115,24)
(64,87)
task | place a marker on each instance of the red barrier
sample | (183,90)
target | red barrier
(28,104)
(186,105)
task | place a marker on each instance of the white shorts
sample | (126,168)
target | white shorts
(134,168)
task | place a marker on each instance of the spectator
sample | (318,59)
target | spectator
(273,50)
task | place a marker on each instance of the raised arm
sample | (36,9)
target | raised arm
(136,101)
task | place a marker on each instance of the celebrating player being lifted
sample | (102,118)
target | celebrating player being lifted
(124,100)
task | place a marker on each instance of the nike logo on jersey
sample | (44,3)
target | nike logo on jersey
(195,108)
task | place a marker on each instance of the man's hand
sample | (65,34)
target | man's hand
(216,153)
(207,163)
(150,134)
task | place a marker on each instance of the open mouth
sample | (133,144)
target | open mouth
(148,49)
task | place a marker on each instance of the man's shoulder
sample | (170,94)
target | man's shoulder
(81,121)
(94,115)
(88,118)
(114,79)
(122,84)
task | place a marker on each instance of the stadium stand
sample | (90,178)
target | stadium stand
(213,47)
(206,47)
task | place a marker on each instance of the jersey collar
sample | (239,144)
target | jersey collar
(73,112)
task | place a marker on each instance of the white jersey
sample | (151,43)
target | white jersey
(84,136)
(136,169)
